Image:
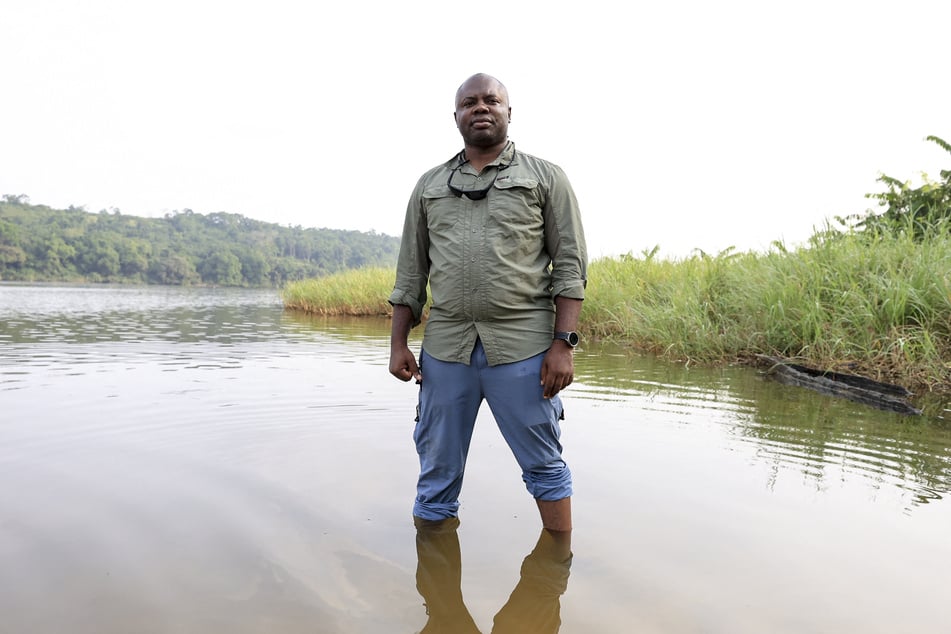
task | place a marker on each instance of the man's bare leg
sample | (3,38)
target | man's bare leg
(556,514)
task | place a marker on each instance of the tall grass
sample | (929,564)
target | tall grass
(354,292)
(875,304)
(881,305)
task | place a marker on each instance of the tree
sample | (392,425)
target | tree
(222,268)
(173,270)
(133,257)
(9,233)
(53,256)
(254,267)
(920,209)
(12,257)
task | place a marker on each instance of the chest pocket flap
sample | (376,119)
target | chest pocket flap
(513,182)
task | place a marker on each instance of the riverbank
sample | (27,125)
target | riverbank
(876,306)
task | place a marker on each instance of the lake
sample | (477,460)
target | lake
(200,460)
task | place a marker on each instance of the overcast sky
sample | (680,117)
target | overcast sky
(687,124)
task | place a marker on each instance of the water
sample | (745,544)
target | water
(199,460)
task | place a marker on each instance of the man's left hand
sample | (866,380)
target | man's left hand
(558,368)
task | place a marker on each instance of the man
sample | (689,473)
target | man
(497,235)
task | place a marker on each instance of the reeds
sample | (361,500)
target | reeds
(876,304)
(354,292)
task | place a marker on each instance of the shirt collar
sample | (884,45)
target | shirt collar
(505,157)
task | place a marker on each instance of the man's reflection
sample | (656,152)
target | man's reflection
(534,605)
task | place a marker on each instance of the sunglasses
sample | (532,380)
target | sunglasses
(475,194)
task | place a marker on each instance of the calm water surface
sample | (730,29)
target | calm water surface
(199,460)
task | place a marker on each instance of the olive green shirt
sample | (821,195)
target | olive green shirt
(494,266)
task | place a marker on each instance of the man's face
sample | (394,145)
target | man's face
(482,112)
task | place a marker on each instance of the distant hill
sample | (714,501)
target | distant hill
(38,243)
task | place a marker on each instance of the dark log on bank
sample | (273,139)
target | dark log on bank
(855,388)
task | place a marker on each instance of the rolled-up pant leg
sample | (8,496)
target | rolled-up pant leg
(449,400)
(528,422)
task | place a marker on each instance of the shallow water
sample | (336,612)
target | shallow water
(199,460)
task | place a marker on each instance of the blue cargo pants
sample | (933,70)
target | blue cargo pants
(449,400)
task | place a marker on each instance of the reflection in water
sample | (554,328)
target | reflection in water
(825,438)
(534,607)
(829,438)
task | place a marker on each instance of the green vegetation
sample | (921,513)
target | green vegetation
(872,296)
(354,293)
(921,210)
(876,305)
(42,244)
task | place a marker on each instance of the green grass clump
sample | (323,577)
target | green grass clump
(354,292)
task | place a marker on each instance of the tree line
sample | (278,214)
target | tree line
(38,243)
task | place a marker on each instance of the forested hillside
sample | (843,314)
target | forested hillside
(38,243)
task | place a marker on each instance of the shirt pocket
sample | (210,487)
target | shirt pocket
(442,208)
(517,207)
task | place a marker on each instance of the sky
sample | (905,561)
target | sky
(687,125)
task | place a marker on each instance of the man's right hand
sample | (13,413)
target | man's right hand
(403,364)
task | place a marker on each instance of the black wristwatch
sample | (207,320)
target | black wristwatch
(571,338)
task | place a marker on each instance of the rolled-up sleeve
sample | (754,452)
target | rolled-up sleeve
(412,268)
(564,239)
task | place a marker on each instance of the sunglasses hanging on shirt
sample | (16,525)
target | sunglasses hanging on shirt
(475,194)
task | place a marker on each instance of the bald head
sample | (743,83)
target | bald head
(482,80)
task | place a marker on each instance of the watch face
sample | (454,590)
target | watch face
(571,338)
